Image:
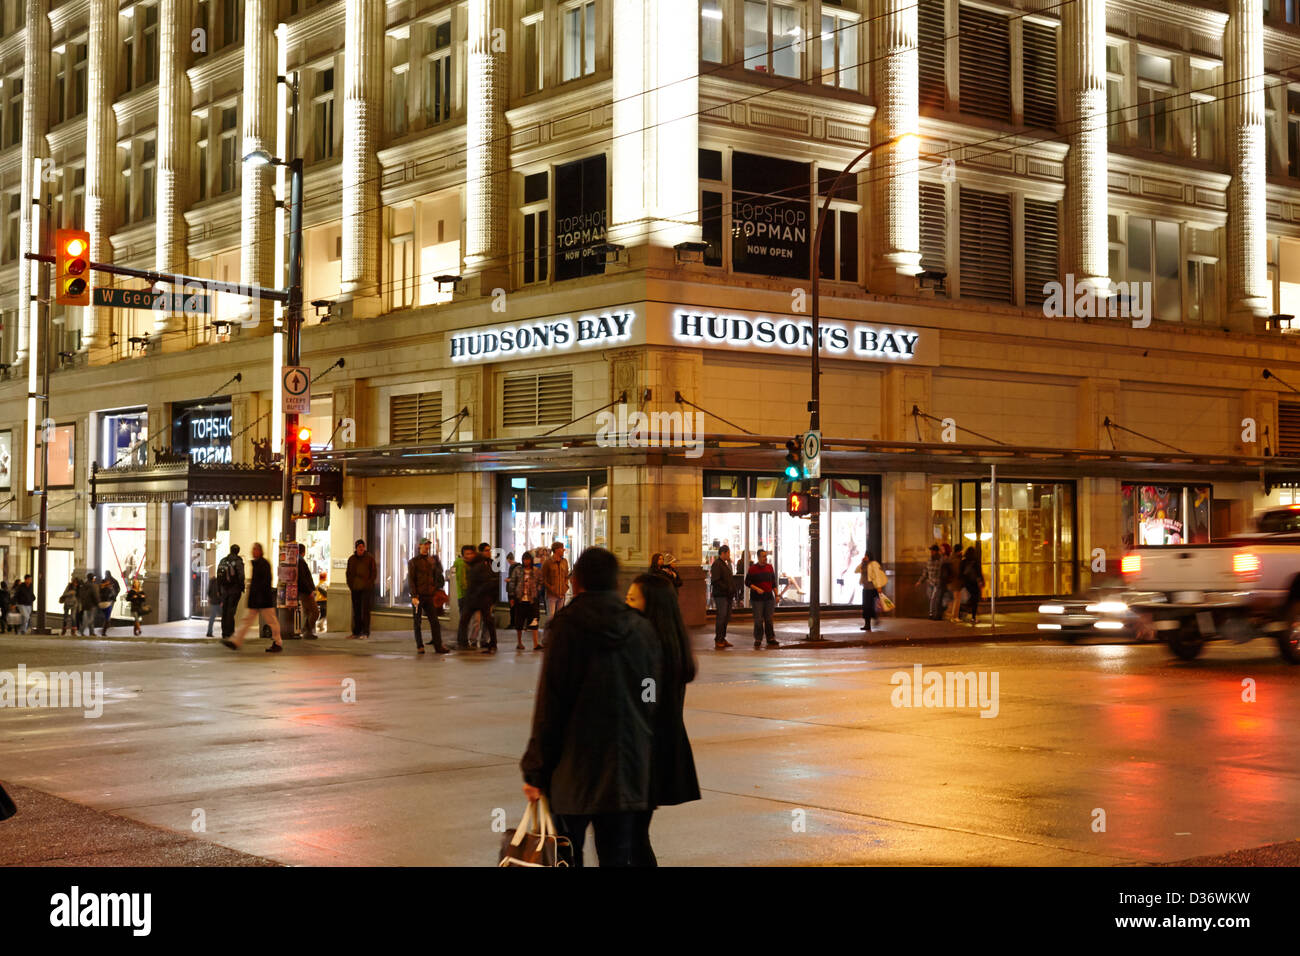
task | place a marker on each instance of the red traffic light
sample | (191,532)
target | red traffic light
(72,261)
(304,435)
(798,504)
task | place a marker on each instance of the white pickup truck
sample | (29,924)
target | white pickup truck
(1245,586)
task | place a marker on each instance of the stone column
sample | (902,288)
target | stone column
(171,252)
(363,126)
(892,170)
(1086,188)
(487,147)
(257,197)
(1243,45)
(101,156)
(36,111)
(655,172)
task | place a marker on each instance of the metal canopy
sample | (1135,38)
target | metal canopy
(846,456)
(184,481)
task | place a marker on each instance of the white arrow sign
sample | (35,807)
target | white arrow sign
(812,454)
(296,382)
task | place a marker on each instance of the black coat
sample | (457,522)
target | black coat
(673,777)
(261,592)
(484,583)
(592,739)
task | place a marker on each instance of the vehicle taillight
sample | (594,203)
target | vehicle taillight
(1130,564)
(1243,562)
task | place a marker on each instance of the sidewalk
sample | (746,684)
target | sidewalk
(840,629)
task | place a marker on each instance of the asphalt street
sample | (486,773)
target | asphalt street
(340,752)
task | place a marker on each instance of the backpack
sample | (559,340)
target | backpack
(226,574)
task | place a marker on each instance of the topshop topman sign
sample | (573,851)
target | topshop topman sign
(838,339)
(541,335)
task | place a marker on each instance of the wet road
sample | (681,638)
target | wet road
(802,755)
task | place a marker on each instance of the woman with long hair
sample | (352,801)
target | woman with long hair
(672,767)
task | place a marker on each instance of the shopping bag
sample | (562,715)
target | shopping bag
(534,842)
(886,605)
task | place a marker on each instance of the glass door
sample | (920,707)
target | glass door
(209,543)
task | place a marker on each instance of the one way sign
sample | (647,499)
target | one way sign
(296,382)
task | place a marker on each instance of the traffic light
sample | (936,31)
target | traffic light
(799,504)
(794,460)
(72,267)
(309,504)
(302,450)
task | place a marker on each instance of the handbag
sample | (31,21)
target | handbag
(14,619)
(105,605)
(440,599)
(534,842)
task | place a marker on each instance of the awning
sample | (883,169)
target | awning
(185,481)
(765,453)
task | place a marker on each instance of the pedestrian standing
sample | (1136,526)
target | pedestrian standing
(460,569)
(25,597)
(361,576)
(873,579)
(972,579)
(230,579)
(88,603)
(108,591)
(69,601)
(525,592)
(591,748)
(761,581)
(484,589)
(424,579)
(555,575)
(722,581)
(261,605)
(135,599)
(306,596)
(214,602)
(322,603)
(932,579)
(672,770)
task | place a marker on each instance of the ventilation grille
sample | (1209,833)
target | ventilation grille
(1040,75)
(1288,429)
(930,48)
(934,228)
(985,67)
(1042,245)
(415,418)
(985,246)
(537,400)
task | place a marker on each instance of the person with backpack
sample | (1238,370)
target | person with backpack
(69,601)
(230,580)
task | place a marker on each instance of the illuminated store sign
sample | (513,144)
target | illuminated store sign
(838,339)
(541,335)
(203,431)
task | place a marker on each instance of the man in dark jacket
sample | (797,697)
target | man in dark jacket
(230,579)
(24,598)
(261,605)
(361,575)
(484,590)
(88,603)
(592,739)
(306,595)
(722,580)
(424,578)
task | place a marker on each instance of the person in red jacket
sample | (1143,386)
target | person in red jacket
(761,581)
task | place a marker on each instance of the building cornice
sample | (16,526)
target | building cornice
(213,69)
(68,137)
(798,112)
(75,12)
(137,103)
(422,164)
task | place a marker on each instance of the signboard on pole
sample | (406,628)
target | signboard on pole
(812,454)
(288,596)
(149,299)
(296,382)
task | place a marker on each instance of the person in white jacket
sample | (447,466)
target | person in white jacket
(873,579)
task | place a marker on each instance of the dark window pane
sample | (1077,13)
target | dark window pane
(711,227)
(849,246)
(711,164)
(535,187)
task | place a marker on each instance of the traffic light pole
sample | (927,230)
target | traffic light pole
(293,354)
(44,533)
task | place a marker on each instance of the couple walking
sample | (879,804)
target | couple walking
(608,745)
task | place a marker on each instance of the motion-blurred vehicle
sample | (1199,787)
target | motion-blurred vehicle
(1098,612)
(1245,586)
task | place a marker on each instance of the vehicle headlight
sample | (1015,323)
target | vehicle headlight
(1108,607)
(1051,609)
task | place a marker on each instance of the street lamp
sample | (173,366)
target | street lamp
(293,341)
(814,406)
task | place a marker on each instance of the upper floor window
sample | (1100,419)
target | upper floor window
(322,113)
(13,217)
(78,78)
(774,38)
(984,74)
(399,74)
(1206,114)
(1293,132)
(148,177)
(1116,115)
(13,132)
(59,93)
(437,72)
(711,30)
(1155,87)
(536,227)
(149,42)
(578,40)
(230,160)
(531,40)
(1038,60)
(839,47)
(232,21)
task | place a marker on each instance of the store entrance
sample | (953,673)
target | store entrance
(209,542)
(538,510)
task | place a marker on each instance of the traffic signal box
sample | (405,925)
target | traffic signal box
(72,267)
(799,504)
